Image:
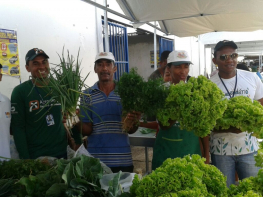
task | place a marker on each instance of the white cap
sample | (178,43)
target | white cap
(178,57)
(105,55)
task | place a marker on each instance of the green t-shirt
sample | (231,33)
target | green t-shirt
(34,131)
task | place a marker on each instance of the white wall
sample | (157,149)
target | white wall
(50,25)
(139,56)
(196,52)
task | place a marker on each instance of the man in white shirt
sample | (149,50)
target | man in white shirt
(5,117)
(232,150)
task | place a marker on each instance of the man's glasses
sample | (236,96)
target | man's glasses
(225,57)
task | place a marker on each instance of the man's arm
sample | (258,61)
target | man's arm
(18,124)
(205,144)
(261,101)
(85,127)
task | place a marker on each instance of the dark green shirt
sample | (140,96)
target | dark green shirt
(33,137)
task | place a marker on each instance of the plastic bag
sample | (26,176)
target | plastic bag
(70,152)
(126,179)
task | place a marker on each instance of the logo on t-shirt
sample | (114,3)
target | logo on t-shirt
(33,105)
(7,114)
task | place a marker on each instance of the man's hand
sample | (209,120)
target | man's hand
(65,117)
(133,118)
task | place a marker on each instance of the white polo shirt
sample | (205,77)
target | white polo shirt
(5,118)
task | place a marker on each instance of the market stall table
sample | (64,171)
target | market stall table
(146,140)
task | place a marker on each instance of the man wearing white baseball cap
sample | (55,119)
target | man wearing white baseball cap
(181,142)
(103,122)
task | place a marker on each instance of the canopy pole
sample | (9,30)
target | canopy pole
(106,28)
(154,40)
(205,61)
(199,55)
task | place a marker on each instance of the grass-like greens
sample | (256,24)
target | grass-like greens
(65,84)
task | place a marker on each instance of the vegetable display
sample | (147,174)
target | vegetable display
(140,96)
(188,176)
(77,177)
(250,187)
(18,168)
(243,114)
(196,104)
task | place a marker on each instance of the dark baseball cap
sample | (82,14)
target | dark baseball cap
(33,53)
(164,55)
(224,43)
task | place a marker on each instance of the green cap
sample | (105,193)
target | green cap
(33,53)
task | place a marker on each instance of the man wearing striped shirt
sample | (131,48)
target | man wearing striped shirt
(102,122)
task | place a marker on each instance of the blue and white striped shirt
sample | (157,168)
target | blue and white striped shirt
(107,141)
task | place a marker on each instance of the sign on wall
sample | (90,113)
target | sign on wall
(9,52)
(152,57)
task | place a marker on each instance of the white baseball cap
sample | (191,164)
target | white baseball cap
(105,55)
(178,57)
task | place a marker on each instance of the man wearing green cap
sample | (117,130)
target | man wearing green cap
(37,133)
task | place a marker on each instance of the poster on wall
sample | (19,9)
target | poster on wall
(152,57)
(9,52)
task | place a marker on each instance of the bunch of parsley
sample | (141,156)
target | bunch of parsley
(141,96)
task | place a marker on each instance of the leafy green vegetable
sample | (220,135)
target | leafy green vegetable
(6,187)
(243,114)
(79,176)
(196,104)
(114,186)
(251,186)
(141,96)
(146,131)
(18,168)
(188,176)
(259,156)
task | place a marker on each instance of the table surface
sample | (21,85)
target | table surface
(139,139)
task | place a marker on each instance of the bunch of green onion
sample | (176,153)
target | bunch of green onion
(64,84)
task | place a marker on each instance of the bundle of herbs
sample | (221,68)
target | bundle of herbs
(138,95)
(65,84)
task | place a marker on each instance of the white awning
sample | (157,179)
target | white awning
(194,17)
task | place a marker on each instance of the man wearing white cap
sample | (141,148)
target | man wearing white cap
(171,141)
(103,121)
(5,118)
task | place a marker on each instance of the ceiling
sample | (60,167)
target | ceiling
(248,48)
(194,17)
